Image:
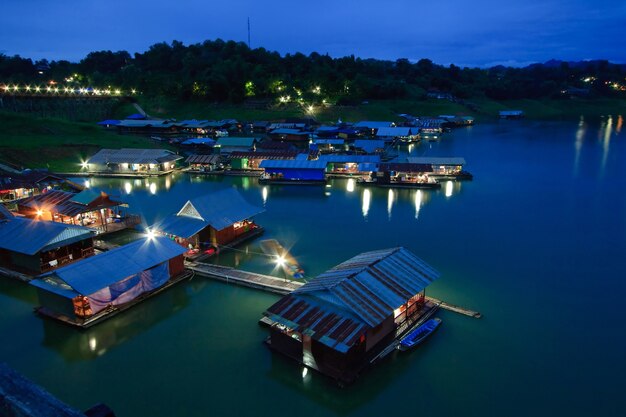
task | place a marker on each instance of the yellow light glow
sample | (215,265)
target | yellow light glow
(150,234)
(350,185)
(39,212)
(449,188)
(367,197)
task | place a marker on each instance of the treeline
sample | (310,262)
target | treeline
(230,71)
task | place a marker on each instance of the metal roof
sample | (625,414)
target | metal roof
(236,141)
(203,159)
(97,272)
(27,236)
(372,124)
(132,156)
(218,210)
(373,284)
(350,158)
(283,131)
(199,141)
(369,145)
(277,154)
(5,213)
(340,305)
(293,164)
(319,141)
(436,161)
(145,123)
(66,203)
(393,131)
(405,167)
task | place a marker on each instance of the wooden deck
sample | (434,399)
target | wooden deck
(269,283)
(455,309)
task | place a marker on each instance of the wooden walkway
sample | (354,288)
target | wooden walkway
(247,279)
(283,286)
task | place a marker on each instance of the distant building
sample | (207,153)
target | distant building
(342,319)
(511,114)
(205,163)
(131,162)
(35,247)
(20,184)
(296,137)
(228,145)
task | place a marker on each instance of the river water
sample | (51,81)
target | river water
(536,243)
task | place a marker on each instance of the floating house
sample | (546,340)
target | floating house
(91,208)
(403,175)
(295,136)
(228,145)
(131,162)
(144,127)
(205,163)
(330,145)
(369,146)
(20,184)
(350,165)
(444,168)
(298,171)
(250,161)
(338,322)
(34,247)
(85,292)
(404,134)
(222,218)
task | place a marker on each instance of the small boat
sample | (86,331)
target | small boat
(418,335)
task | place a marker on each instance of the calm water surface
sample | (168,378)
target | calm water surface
(537,243)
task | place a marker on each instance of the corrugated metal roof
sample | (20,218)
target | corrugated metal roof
(436,161)
(203,159)
(340,305)
(218,210)
(372,124)
(28,236)
(5,213)
(289,132)
(145,123)
(278,154)
(350,158)
(236,141)
(369,145)
(393,132)
(132,156)
(66,203)
(373,284)
(97,272)
(199,141)
(294,164)
(318,141)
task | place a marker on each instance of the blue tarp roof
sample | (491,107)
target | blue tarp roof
(109,122)
(28,236)
(136,116)
(369,145)
(294,164)
(97,272)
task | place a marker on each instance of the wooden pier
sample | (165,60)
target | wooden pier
(455,309)
(269,283)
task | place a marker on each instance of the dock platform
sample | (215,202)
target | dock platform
(244,278)
(455,309)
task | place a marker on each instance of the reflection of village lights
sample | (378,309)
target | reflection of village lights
(390,198)
(87,184)
(93,343)
(305,372)
(449,187)
(264,193)
(350,185)
(128,187)
(365,207)
(153,188)
(418,203)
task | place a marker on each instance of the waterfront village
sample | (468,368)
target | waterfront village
(54,229)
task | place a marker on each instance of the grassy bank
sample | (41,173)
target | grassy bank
(482,109)
(32,142)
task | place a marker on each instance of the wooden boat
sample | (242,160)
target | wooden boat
(418,335)
(283,258)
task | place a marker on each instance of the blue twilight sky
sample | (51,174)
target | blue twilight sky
(463,32)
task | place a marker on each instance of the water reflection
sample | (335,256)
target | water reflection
(86,345)
(606,130)
(264,193)
(578,143)
(449,188)
(153,188)
(390,200)
(620,122)
(367,197)
(350,185)
(87,184)
(128,187)
(418,202)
